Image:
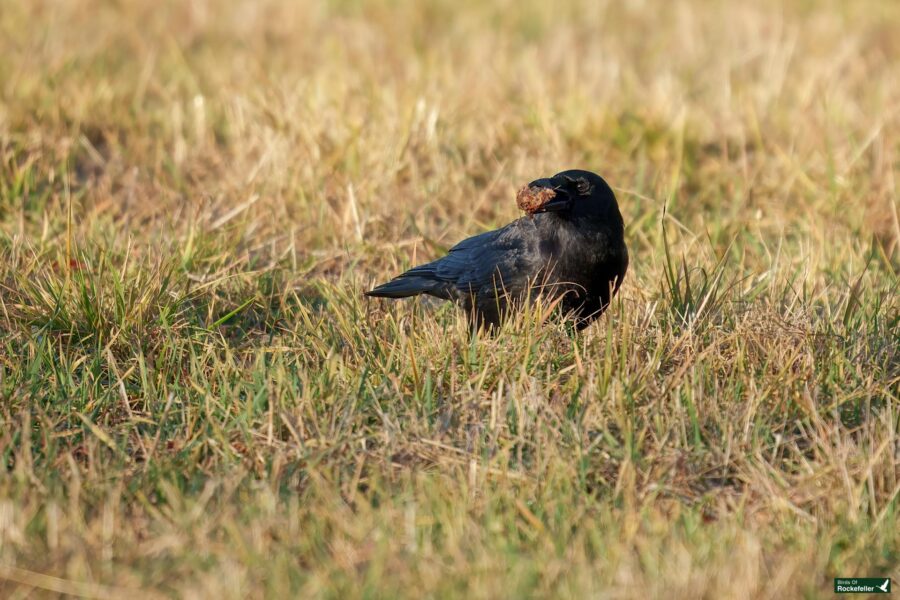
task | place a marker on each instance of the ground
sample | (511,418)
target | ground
(197,401)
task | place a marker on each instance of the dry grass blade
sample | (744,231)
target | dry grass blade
(197,401)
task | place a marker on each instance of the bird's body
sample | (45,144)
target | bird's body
(570,248)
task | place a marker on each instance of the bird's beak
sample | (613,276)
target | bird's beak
(561,202)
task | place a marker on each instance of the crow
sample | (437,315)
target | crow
(570,248)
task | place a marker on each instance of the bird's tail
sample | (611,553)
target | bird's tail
(404,286)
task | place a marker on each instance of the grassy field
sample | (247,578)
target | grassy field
(197,401)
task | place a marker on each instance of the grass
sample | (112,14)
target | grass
(197,401)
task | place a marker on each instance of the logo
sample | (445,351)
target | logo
(862,585)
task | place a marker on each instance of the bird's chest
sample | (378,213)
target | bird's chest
(579,259)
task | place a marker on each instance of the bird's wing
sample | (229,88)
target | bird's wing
(451,274)
(475,266)
(481,264)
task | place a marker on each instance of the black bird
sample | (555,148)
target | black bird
(570,248)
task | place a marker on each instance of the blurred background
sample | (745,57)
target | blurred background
(753,115)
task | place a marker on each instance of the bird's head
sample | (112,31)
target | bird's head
(571,195)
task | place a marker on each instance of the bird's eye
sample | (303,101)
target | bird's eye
(582,186)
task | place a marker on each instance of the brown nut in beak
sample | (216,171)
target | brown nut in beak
(532,199)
